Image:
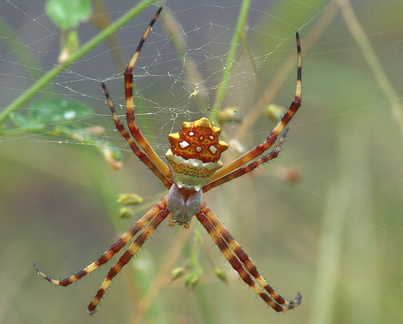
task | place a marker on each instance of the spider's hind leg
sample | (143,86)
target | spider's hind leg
(116,247)
(241,263)
(127,256)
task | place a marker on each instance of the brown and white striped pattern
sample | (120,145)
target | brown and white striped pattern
(241,263)
(250,167)
(134,130)
(126,257)
(149,157)
(234,169)
(116,247)
(232,251)
(140,154)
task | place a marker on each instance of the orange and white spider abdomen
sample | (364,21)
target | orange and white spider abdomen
(194,154)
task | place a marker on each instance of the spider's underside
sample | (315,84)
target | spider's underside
(194,167)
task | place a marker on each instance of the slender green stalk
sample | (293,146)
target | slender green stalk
(372,59)
(239,29)
(16,47)
(45,79)
(205,305)
(327,272)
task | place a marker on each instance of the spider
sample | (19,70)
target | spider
(194,167)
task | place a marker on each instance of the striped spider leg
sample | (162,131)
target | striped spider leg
(240,261)
(153,218)
(235,169)
(193,160)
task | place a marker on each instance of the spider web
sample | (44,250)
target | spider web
(162,66)
(349,126)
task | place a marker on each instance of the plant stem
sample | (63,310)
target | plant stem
(239,29)
(372,59)
(45,79)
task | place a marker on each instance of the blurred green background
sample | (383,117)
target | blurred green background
(335,234)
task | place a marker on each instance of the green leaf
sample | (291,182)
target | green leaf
(56,110)
(67,14)
(24,123)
